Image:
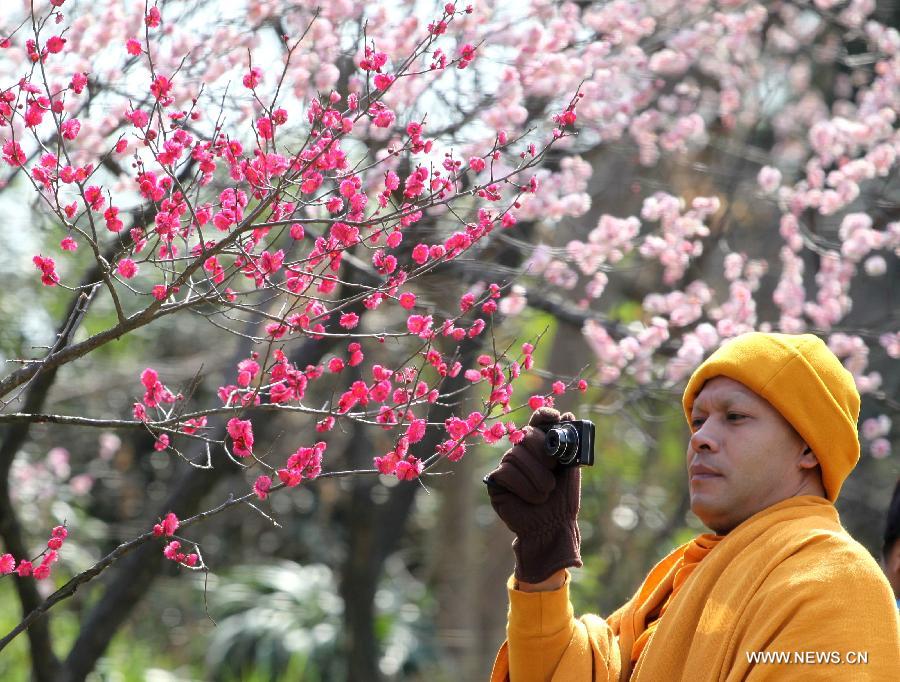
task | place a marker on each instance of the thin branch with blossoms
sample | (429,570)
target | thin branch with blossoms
(72,586)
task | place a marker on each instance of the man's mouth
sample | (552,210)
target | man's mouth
(700,472)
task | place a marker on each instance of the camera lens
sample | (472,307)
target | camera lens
(562,443)
(552,442)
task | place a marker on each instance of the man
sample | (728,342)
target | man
(890,550)
(778,591)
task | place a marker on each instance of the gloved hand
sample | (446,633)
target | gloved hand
(538,500)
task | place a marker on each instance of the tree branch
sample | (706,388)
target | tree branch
(71,587)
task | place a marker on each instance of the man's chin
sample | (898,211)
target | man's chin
(714,516)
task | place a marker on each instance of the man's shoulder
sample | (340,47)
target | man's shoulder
(828,556)
(814,587)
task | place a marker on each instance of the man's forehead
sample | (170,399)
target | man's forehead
(722,389)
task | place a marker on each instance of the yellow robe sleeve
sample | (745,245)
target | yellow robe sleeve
(546,643)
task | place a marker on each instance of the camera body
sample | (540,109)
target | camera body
(571,443)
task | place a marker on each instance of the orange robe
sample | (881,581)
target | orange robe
(789,581)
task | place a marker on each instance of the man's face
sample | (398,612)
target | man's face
(742,457)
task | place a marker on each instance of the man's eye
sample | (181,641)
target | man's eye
(734,416)
(696,423)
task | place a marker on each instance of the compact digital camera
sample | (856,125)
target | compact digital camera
(571,442)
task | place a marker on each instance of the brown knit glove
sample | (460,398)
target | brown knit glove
(538,501)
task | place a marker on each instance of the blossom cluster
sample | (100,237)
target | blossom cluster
(166,528)
(40,571)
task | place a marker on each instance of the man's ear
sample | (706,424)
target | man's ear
(808,459)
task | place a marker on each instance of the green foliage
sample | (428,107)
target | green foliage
(283,621)
(272,619)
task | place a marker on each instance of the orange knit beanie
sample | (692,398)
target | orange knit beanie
(804,381)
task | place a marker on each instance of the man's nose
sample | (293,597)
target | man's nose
(704,438)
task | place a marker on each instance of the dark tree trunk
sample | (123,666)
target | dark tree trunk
(455,569)
(362,567)
(44,664)
(374,533)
